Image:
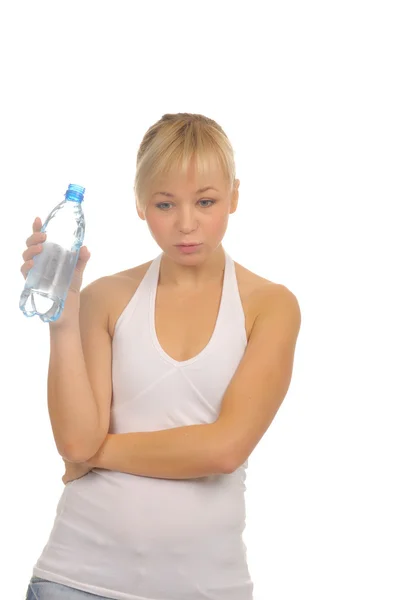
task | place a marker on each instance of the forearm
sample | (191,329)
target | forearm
(179,453)
(71,404)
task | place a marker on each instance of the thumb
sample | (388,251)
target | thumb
(84,257)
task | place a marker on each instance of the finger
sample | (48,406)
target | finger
(36,238)
(84,256)
(26,268)
(37,224)
(31,251)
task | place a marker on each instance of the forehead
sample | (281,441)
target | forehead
(191,181)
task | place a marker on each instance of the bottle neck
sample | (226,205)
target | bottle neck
(68,199)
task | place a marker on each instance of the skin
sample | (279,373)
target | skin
(186,217)
(189,217)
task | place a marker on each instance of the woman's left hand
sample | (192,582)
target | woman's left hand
(75,470)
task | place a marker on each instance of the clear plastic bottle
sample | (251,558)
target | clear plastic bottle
(48,281)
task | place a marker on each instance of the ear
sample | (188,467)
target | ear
(140,212)
(235,196)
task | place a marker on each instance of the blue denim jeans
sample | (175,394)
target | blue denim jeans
(41,589)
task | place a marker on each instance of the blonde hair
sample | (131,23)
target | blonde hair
(173,141)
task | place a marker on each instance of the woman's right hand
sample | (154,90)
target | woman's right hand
(34,245)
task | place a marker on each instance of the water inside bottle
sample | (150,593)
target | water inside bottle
(45,285)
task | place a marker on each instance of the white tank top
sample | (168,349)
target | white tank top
(130,537)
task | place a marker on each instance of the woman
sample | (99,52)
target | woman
(162,380)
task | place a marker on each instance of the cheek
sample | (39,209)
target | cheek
(159,225)
(155,224)
(218,223)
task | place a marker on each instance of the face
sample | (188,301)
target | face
(183,214)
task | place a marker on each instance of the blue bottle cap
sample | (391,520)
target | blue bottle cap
(75,192)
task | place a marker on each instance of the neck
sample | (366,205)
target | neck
(190,277)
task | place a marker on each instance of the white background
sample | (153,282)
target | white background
(307,93)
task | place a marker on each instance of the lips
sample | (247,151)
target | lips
(187,244)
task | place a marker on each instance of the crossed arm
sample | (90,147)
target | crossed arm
(249,405)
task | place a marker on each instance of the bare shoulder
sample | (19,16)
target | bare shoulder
(115,291)
(252,280)
(132,274)
(262,293)
(119,279)
(253,286)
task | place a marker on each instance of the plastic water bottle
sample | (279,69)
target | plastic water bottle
(48,281)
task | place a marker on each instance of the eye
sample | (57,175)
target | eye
(212,202)
(162,204)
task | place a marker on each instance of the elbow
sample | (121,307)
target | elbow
(230,465)
(227,463)
(69,453)
(82,452)
(75,454)
(234,456)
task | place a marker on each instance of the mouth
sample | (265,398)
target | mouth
(190,244)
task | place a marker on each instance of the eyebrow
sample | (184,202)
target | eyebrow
(200,191)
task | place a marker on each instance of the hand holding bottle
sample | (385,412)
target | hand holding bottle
(34,245)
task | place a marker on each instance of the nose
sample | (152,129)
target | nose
(187,220)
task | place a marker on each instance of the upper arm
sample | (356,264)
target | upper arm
(262,378)
(97,347)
